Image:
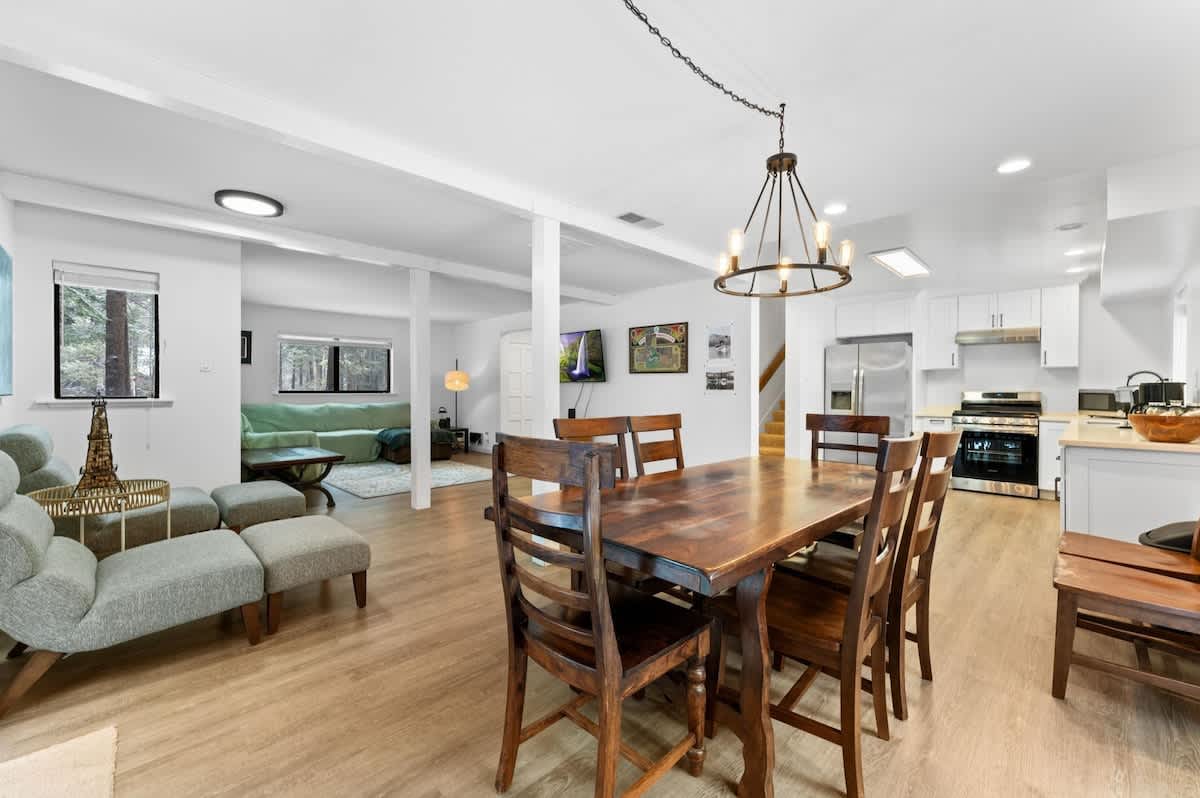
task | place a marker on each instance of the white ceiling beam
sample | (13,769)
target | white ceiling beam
(71,197)
(85,59)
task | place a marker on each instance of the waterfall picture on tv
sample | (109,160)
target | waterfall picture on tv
(581,357)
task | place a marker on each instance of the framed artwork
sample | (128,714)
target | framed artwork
(6,325)
(659,349)
(247,337)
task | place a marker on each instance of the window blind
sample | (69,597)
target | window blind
(85,276)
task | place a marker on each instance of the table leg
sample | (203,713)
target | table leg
(758,745)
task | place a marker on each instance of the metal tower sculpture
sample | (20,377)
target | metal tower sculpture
(98,472)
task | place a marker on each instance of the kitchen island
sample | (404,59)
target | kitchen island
(1118,485)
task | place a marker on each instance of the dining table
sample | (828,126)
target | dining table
(723,526)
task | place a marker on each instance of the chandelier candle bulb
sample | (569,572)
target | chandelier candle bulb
(737,241)
(785,270)
(846,253)
(822,234)
(724,263)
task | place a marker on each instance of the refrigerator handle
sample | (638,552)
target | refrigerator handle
(860,379)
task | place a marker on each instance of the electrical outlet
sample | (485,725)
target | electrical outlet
(570,412)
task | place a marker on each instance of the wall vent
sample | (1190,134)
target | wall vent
(637,220)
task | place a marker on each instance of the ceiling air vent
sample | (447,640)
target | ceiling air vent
(637,220)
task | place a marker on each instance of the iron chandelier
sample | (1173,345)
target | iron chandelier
(782,178)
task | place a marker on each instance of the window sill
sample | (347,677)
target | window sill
(51,402)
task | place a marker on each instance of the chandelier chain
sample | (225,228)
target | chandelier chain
(716,84)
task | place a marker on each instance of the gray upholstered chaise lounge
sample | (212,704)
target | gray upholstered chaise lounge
(57,599)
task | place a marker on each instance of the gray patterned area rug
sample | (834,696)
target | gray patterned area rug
(382,478)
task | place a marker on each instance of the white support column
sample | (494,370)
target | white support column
(545,329)
(420,382)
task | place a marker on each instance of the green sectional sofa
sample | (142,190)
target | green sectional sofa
(348,429)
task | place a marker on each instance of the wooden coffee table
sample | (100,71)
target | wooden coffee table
(287,464)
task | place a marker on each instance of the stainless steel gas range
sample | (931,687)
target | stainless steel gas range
(999,448)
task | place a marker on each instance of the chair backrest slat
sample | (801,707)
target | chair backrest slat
(817,423)
(655,451)
(587,430)
(584,466)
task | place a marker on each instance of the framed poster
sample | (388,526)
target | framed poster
(247,338)
(719,367)
(659,349)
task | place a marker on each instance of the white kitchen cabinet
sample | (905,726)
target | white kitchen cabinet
(1049,454)
(879,317)
(1060,327)
(893,316)
(941,325)
(932,424)
(854,319)
(1019,308)
(977,312)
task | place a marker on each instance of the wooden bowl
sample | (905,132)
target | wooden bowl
(1166,429)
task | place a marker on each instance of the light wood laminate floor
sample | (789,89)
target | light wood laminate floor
(406,696)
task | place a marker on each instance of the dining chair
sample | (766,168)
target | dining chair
(835,566)
(655,451)
(817,424)
(586,430)
(834,631)
(606,643)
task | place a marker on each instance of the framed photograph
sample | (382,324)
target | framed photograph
(719,378)
(246,346)
(720,341)
(659,349)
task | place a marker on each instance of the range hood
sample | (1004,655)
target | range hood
(1000,335)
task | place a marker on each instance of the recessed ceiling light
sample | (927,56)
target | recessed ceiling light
(1077,269)
(1014,165)
(834,209)
(1069,226)
(1075,252)
(248,202)
(901,262)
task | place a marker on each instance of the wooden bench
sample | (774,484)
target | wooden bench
(1142,607)
(1131,555)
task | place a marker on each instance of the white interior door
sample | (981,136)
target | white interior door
(516,383)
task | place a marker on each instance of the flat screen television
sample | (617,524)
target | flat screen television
(581,357)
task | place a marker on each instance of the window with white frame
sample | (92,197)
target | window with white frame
(318,364)
(105,332)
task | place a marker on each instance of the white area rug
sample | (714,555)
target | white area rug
(381,478)
(81,768)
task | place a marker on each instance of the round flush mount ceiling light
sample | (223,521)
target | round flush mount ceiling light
(1014,165)
(1075,252)
(1077,270)
(834,208)
(248,203)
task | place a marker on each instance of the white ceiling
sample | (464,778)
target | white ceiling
(902,110)
(273,276)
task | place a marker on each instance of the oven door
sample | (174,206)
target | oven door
(997,454)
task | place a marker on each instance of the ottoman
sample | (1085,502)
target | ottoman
(250,503)
(192,511)
(299,551)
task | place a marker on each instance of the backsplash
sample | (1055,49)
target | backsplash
(1003,367)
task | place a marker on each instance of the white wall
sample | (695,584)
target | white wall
(810,328)
(1114,341)
(260,379)
(196,440)
(6,241)
(715,426)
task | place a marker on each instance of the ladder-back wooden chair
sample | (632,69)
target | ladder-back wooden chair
(586,430)
(607,647)
(834,631)
(818,424)
(835,565)
(655,451)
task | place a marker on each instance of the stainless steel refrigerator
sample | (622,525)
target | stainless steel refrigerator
(870,379)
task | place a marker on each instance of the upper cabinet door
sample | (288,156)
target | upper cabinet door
(1019,308)
(941,325)
(1060,327)
(977,312)
(893,316)
(854,319)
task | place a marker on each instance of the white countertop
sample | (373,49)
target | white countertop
(1106,436)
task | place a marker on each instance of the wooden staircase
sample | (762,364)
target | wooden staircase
(770,442)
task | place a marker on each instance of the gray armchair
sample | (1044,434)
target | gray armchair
(56,599)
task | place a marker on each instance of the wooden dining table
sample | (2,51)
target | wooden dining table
(722,526)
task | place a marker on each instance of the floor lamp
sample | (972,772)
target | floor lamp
(457,381)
